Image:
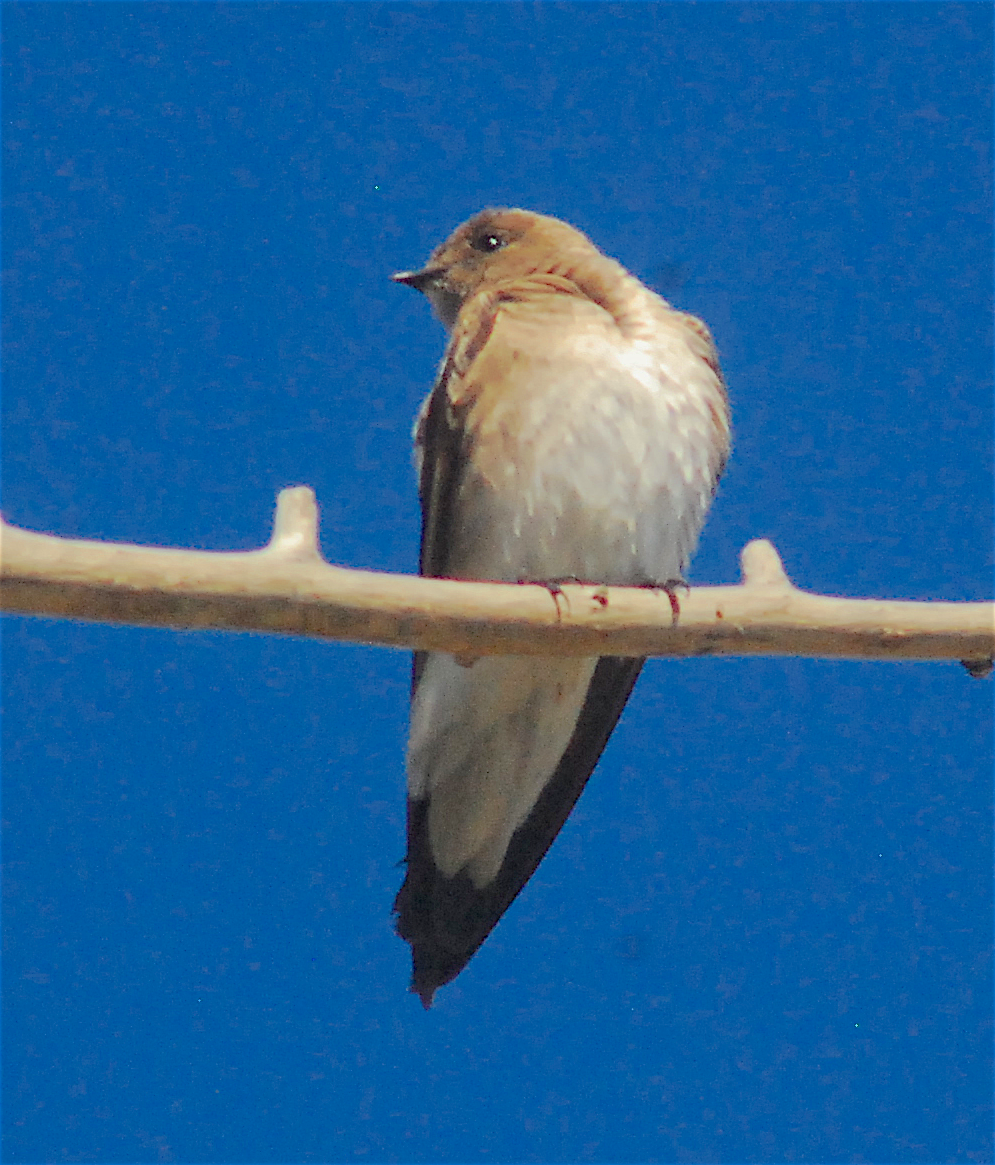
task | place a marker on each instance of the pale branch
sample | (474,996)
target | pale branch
(288,588)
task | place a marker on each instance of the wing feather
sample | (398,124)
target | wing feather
(447,919)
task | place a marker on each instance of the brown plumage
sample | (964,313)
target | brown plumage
(577,430)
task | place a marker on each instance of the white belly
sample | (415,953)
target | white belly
(607,474)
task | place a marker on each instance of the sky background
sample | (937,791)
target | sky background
(764,934)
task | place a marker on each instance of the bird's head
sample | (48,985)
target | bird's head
(495,245)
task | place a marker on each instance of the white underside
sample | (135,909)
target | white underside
(609,480)
(483,742)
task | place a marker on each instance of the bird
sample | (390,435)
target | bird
(577,430)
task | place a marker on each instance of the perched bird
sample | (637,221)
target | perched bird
(576,431)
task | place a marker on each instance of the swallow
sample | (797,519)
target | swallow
(577,430)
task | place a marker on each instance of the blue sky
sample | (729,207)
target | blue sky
(764,934)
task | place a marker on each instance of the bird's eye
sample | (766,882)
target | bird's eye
(489,241)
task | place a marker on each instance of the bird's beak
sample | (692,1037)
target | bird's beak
(419,280)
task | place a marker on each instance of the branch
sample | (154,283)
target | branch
(288,588)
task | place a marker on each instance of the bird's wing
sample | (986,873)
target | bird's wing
(447,919)
(489,757)
(440,454)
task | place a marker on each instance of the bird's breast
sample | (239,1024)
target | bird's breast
(597,460)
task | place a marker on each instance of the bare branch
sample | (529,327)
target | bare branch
(287,588)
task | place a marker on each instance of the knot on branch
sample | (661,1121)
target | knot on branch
(295,526)
(762,566)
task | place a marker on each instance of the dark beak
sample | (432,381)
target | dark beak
(419,280)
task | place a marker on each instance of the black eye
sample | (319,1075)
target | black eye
(488,241)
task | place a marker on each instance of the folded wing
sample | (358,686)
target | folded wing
(500,747)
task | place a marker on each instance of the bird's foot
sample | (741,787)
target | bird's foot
(670,588)
(554,586)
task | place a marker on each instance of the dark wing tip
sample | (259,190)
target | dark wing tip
(446,920)
(424,994)
(433,965)
(435,914)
